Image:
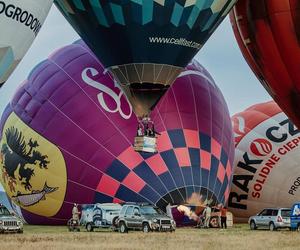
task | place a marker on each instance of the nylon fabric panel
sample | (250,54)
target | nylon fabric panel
(265,176)
(20,22)
(118,32)
(269,31)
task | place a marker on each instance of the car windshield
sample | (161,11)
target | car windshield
(285,212)
(150,210)
(4,211)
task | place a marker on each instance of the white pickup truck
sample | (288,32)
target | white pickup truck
(99,215)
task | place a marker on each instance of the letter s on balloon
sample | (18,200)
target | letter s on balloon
(108,91)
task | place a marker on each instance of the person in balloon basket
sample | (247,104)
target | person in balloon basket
(207,214)
(223,214)
(140,130)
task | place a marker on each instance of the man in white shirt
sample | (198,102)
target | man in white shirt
(75,213)
(207,214)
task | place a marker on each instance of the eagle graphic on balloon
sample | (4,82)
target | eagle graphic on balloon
(14,154)
(15,157)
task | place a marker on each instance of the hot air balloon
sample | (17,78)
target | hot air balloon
(66,139)
(4,200)
(20,22)
(145,44)
(267,156)
(267,34)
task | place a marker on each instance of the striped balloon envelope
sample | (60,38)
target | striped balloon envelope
(20,23)
(70,131)
(145,44)
(4,200)
(266,161)
(267,32)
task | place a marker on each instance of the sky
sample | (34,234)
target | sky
(220,56)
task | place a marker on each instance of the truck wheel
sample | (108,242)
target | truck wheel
(122,227)
(89,227)
(252,225)
(272,227)
(146,228)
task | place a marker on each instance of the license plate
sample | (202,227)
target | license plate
(165,227)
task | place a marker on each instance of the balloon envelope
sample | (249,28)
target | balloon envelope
(67,135)
(145,44)
(267,157)
(20,22)
(4,200)
(268,35)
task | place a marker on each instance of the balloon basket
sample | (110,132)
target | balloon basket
(145,144)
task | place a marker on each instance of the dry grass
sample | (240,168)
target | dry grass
(238,237)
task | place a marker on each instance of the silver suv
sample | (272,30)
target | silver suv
(9,222)
(144,217)
(272,218)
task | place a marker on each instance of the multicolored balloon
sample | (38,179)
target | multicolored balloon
(145,44)
(67,137)
(267,32)
(20,22)
(4,200)
(267,157)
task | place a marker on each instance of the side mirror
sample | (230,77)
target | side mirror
(136,214)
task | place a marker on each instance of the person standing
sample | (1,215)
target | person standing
(223,211)
(139,131)
(207,214)
(169,211)
(75,213)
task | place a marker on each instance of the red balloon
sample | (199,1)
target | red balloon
(267,32)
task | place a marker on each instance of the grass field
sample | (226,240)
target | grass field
(238,237)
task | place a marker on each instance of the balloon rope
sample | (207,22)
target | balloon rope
(197,121)
(180,119)
(165,128)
